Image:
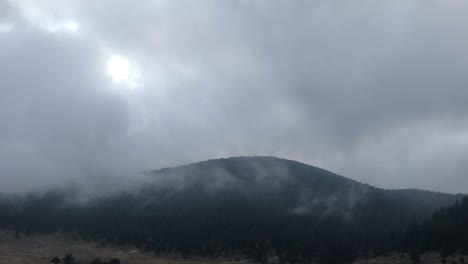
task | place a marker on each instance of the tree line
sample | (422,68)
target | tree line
(254,220)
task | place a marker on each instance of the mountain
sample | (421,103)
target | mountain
(253,206)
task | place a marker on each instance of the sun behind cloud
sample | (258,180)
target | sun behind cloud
(120,71)
(118,68)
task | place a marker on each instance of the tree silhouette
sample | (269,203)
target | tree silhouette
(114,261)
(96,261)
(69,259)
(55,260)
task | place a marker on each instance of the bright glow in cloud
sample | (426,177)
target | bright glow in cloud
(118,68)
(71,26)
(52,17)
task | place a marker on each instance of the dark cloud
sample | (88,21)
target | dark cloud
(375,91)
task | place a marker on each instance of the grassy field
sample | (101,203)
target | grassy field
(41,249)
(428,258)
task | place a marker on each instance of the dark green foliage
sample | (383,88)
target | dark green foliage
(260,207)
(68,259)
(114,261)
(443,260)
(414,256)
(96,261)
(55,260)
(445,232)
(111,261)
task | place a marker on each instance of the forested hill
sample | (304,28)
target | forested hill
(446,232)
(299,188)
(256,206)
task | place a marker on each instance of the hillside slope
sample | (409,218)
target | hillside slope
(260,206)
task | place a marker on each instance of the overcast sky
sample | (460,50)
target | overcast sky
(374,90)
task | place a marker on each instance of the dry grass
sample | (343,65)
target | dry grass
(428,258)
(41,249)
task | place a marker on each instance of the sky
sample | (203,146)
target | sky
(373,90)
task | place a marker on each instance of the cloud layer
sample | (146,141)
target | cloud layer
(370,89)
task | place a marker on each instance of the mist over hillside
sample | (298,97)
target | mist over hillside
(256,206)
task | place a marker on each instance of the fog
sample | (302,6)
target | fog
(373,90)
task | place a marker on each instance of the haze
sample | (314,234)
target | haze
(374,90)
